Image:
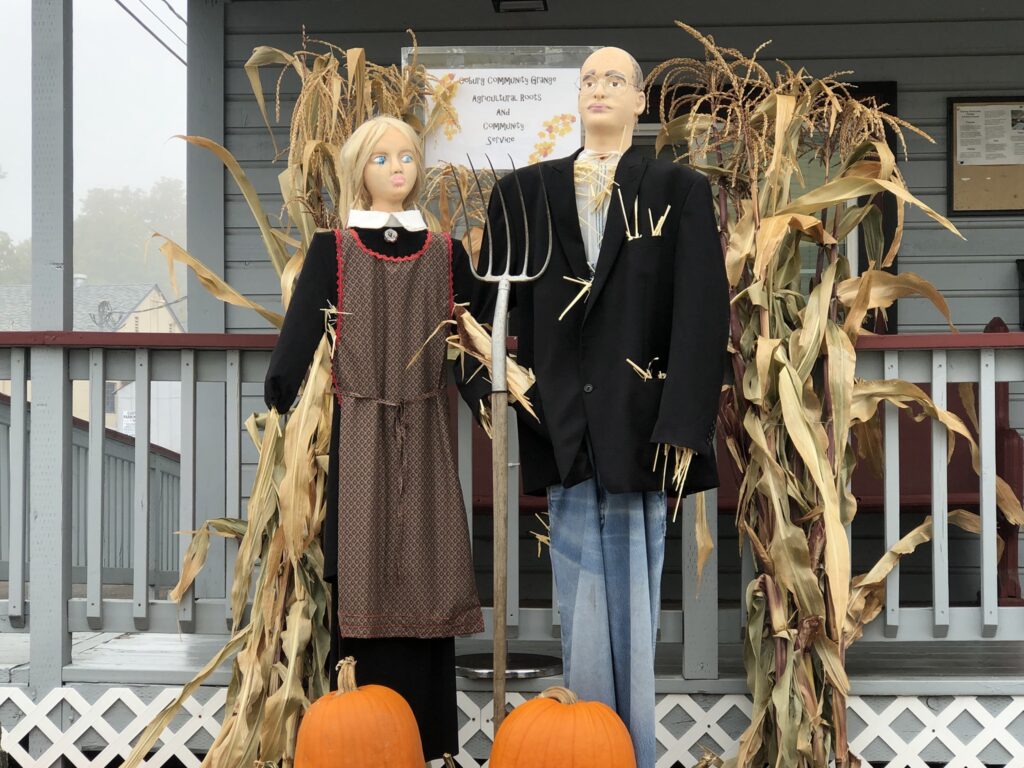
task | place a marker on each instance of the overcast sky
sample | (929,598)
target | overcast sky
(129,101)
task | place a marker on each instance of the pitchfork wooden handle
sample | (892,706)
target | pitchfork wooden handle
(499,424)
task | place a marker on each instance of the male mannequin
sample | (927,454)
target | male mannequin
(647,252)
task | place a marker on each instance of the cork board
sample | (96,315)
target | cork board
(985,156)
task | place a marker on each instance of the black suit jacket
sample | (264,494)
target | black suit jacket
(661,302)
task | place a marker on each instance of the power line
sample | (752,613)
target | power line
(180,17)
(165,24)
(155,36)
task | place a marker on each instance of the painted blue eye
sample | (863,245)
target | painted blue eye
(379,160)
(406,158)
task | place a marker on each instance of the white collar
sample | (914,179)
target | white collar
(603,157)
(410,220)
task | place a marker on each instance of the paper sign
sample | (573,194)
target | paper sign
(529,114)
(990,134)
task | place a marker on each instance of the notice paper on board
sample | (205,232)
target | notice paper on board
(990,134)
(529,114)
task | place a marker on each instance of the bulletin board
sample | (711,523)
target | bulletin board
(986,156)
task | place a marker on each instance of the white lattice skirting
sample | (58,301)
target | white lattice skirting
(92,727)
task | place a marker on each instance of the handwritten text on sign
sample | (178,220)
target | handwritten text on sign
(529,114)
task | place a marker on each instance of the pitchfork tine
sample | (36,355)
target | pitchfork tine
(488,233)
(526,219)
(551,234)
(504,214)
(465,216)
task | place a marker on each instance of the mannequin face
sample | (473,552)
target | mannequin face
(610,99)
(390,174)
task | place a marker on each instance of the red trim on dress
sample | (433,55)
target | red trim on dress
(337,318)
(382,257)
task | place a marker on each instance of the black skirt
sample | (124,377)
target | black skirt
(421,670)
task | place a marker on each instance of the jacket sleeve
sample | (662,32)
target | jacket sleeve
(315,290)
(700,326)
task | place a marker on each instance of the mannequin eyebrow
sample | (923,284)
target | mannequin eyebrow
(609,72)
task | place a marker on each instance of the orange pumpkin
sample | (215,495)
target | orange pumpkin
(359,727)
(557,730)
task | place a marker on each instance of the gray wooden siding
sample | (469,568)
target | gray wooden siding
(932,51)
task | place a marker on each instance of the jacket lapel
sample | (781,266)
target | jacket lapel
(628,174)
(564,218)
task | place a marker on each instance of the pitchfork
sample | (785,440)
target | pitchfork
(499,402)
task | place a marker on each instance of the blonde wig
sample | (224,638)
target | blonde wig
(356,153)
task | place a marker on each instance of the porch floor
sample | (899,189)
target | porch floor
(876,668)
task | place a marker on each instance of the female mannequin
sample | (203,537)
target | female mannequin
(396,544)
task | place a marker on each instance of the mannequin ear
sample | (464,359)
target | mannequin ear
(641,102)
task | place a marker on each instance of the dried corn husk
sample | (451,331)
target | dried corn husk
(280,641)
(788,417)
(471,338)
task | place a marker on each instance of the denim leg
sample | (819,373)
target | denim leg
(633,538)
(607,554)
(577,560)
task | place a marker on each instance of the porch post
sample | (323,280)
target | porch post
(50,429)
(204,200)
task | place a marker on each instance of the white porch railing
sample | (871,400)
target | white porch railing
(221,383)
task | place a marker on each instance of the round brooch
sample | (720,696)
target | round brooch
(390,235)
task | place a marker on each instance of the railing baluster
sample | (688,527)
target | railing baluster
(140,505)
(891,503)
(187,480)
(940,503)
(700,608)
(19,453)
(94,491)
(233,465)
(513,520)
(987,491)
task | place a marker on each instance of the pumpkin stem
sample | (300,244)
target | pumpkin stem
(560,694)
(347,675)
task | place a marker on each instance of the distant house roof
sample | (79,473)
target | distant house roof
(96,307)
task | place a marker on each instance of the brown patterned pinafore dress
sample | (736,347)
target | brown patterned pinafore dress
(404,563)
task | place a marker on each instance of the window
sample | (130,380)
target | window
(109,390)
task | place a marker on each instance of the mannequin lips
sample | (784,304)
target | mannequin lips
(599,107)
(398,180)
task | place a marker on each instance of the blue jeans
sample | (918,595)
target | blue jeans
(607,553)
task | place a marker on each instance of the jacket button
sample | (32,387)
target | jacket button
(588,388)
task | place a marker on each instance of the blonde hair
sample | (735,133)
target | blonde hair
(356,153)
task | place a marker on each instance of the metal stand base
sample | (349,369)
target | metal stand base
(521,666)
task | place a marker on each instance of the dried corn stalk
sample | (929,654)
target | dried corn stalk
(280,641)
(339,89)
(283,641)
(794,403)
